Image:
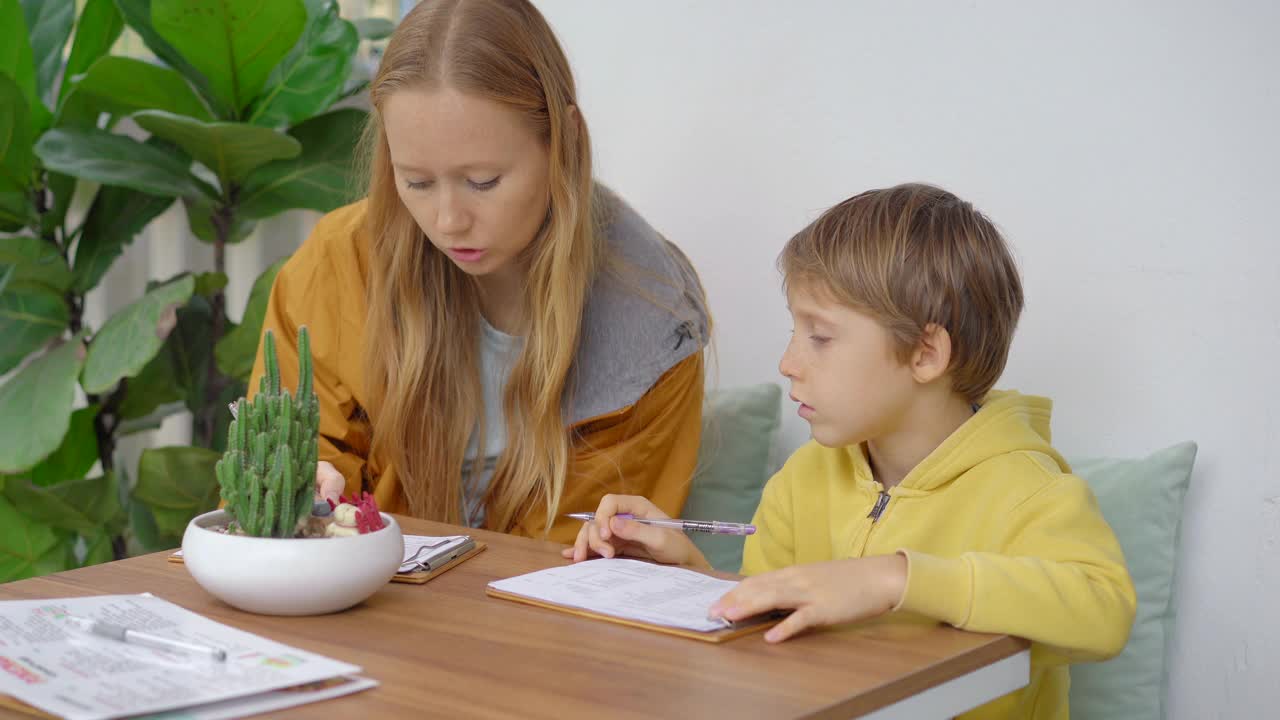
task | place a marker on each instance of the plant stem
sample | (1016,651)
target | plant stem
(223,220)
(104,428)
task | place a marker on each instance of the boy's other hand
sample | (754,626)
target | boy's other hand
(824,593)
(609,536)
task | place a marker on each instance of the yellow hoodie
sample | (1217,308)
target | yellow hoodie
(1000,537)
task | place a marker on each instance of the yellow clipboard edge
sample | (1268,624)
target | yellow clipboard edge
(417,577)
(747,627)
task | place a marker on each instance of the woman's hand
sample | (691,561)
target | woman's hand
(824,593)
(608,536)
(329,482)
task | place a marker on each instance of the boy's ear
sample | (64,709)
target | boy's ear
(932,357)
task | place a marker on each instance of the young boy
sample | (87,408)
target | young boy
(923,490)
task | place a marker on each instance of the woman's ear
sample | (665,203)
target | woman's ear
(932,356)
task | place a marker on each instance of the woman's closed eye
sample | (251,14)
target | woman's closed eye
(420,185)
(485,184)
(819,339)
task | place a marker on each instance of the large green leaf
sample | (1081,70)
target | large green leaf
(121,85)
(209,284)
(117,215)
(234,43)
(35,261)
(374,28)
(29,548)
(237,349)
(230,150)
(75,457)
(35,406)
(151,420)
(48,27)
(200,218)
(312,76)
(110,159)
(137,14)
(99,548)
(144,536)
(30,316)
(16,159)
(84,505)
(153,394)
(99,27)
(62,188)
(16,211)
(190,350)
(15,51)
(134,335)
(320,178)
(177,483)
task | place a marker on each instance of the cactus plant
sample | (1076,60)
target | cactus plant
(267,473)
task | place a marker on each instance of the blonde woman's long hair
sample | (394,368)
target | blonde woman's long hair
(422,339)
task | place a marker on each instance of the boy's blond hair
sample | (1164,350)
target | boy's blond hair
(911,255)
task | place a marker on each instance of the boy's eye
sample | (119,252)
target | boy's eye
(484,185)
(819,339)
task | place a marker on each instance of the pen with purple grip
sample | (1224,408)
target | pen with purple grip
(706,526)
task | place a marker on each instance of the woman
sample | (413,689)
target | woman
(497,339)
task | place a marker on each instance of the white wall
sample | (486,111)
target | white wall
(1129,151)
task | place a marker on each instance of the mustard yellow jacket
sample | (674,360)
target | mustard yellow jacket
(1000,537)
(636,418)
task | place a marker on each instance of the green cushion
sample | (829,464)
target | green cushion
(738,428)
(1142,500)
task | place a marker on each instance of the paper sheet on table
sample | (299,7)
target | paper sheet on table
(46,662)
(630,589)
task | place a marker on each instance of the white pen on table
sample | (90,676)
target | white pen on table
(145,639)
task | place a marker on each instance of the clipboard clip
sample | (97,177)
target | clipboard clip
(435,558)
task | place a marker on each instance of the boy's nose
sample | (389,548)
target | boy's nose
(787,365)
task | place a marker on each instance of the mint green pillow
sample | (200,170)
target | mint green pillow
(1142,500)
(738,428)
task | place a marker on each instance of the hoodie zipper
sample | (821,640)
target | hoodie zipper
(858,547)
(881,503)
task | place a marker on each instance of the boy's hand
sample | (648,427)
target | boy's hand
(609,536)
(821,594)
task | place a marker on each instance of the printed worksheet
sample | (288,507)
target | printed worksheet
(48,661)
(630,589)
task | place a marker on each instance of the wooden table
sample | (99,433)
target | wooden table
(444,649)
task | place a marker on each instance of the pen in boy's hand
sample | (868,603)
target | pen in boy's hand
(706,526)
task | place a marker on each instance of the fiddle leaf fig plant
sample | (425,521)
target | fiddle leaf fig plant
(236,116)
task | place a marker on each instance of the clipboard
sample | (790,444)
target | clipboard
(417,577)
(752,625)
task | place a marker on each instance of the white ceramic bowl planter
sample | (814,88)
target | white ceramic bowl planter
(266,553)
(290,576)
